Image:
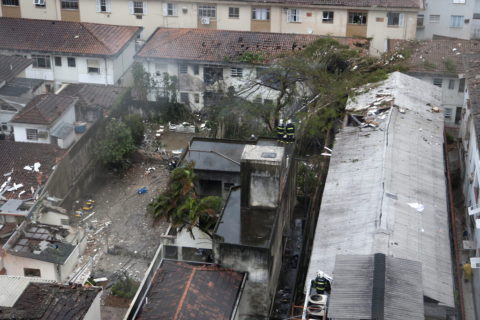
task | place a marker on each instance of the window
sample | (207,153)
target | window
(437,82)
(40,61)
(420,19)
(104,5)
(184,97)
(183,69)
(71,62)
(236,72)
(160,68)
(293,15)
(196,69)
(395,19)
(456,21)
(448,114)
(234,13)
(138,7)
(196,98)
(70,4)
(458,1)
(461,85)
(170,10)
(357,17)
(451,84)
(27,272)
(327,17)
(93,66)
(434,18)
(58,61)
(32,134)
(39,3)
(11,3)
(261,14)
(207,11)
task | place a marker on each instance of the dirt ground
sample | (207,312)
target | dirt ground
(122,237)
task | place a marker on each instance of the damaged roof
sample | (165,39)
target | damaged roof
(181,290)
(44,109)
(92,95)
(11,66)
(13,159)
(41,242)
(64,36)
(14,286)
(42,301)
(438,57)
(385,191)
(210,45)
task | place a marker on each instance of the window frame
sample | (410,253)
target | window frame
(207,11)
(104,6)
(438,82)
(32,272)
(57,61)
(71,62)
(262,11)
(31,134)
(136,8)
(233,12)
(91,67)
(40,57)
(448,113)
(326,18)
(69,4)
(40,5)
(196,98)
(451,84)
(420,17)
(13,3)
(170,9)
(461,85)
(434,18)
(454,19)
(236,72)
(183,68)
(363,17)
(184,97)
(294,15)
(394,19)
(196,69)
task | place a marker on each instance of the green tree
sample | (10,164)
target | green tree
(116,144)
(126,287)
(136,126)
(142,81)
(182,207)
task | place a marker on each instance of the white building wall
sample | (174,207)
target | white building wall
(15,265)
(20,132)
(94,312)
(122,63)
(67,268)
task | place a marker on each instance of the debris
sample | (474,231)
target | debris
(36,166)
(20,194)
(402,110)
(417,206)
(15,187)
(8,173)
(28,168)
(435,109)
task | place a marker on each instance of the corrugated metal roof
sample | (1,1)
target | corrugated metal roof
(12,288)
(375,173)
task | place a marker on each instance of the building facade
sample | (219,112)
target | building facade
(449,18)
(345,18)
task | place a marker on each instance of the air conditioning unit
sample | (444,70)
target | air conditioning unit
(39,2)
(475,262)
(205,20)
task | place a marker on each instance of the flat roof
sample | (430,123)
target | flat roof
(386,189)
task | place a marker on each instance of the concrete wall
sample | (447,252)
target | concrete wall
(67,268)
(446,8)
(94,312)
(49,12)
(15,265)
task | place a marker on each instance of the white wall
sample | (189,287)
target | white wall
(94,311)
(20,132)
(15,265)
(67,268)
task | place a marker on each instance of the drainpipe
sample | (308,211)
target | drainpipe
(106,71)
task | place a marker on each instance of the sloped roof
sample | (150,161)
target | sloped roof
(225,45)
(64,36)
(11,66)
(192,291)
(376,287)
(13,287)
(92,95)
(14,156)
(44,109)
(407,4)
(376,178)
(42,301)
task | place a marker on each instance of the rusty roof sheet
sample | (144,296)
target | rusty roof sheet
(44,109)
(64,36)
(42,301)
(190,291)
(11,66)
(225,45)
(14,156)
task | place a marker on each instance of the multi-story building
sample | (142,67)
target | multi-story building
(449,18)
(379,20)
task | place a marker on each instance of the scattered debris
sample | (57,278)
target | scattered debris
(417,206)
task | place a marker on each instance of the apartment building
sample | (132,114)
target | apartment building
(449,18)
(379,20)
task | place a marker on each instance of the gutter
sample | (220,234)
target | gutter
(240,292)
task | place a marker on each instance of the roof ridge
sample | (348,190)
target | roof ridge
(83,24)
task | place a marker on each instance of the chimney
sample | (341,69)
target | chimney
(260,169)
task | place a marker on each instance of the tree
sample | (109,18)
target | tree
(116,145)
(142,81)
(182,207)
(135,124)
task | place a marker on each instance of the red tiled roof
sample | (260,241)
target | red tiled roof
(44,109)
(184,291)
(407,4)
(64,36)
(51,301)
(17,155)
(225,45)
